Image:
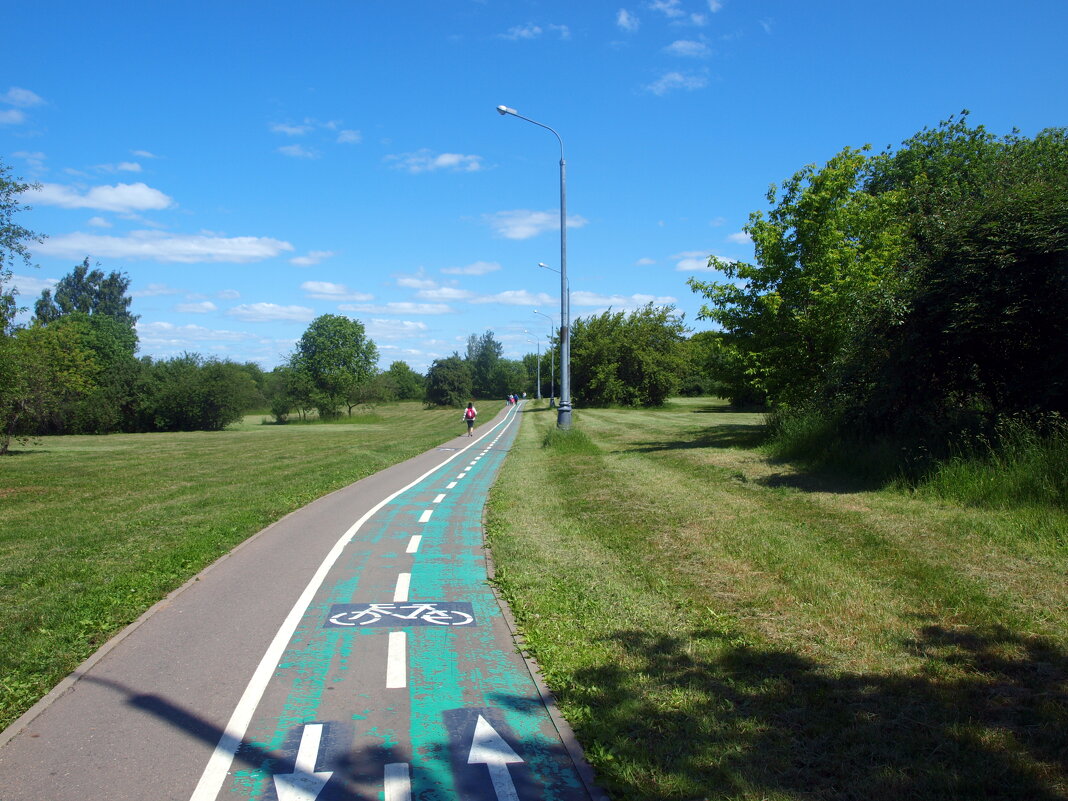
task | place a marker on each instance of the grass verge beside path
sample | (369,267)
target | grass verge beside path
(718,625)
(94,530)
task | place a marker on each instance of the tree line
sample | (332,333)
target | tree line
(919,294)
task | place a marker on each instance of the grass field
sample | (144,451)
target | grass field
(716,624)
(94,530)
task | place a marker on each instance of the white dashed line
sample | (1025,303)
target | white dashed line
(397,782)
(413,543)
(440,498)
(450,485)
(397,661)
(425,516)
(400,594)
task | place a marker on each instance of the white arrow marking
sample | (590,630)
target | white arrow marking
(489,748)
(397,783)
(304,784)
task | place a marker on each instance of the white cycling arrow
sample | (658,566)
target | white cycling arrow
(489,748)
(304,784)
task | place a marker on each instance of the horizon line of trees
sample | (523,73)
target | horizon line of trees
(919,294)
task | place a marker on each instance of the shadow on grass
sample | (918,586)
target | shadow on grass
(988,719)
(740,435)
(711,409)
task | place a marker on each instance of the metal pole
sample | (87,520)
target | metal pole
(552,351)
(563,414)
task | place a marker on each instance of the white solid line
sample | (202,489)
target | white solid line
(440,498)
(219,764)
(397,661)
(450,485)
(404,582)
(397,783)
(425,516)
(413,543)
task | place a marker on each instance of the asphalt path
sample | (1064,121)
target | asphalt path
(352,650)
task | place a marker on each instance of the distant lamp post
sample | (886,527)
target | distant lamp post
(552,362)
(538,343)
(563,415)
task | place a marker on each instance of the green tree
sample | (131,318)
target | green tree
(105,405)
(407,383)
(336,357)
(190,393)
(449,382)
(483,353)
(89,292)
(629,360)
(41,367)
(977,329)
(13,241)
(821,251)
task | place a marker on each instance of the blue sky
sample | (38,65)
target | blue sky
(252,165)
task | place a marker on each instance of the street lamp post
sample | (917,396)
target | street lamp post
(538,343)
(563,414)
(552,362)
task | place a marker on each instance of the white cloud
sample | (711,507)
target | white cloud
(128,166)
(444,293)
(644,262)
(688,48)
(528,31)
(30,285)
(714,5)
(717,222)
(349,137)
(144,154)
(627,21)
(154,290)
(399,308)
(298,152)
(98,222)
(516,297)
(290,130)
(394,329)
(425,161)
(12,117)
(34,160)
(581,298)
(271,312)
(120,197)
(671,81)
(23,98)
(324,290)
(740,238)
(524,224)
(228,294)
(417,281)
(476,268)
(168,334)
(691,261)
(669,8)
(313,258)
(204,307)
(157,246)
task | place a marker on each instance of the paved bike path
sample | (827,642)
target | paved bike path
(383,669)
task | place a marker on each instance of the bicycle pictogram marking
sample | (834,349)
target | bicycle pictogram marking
(422,613)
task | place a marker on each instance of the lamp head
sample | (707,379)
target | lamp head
(502,110)
(543,264)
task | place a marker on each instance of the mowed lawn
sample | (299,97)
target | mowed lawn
(94,530)
(718,625)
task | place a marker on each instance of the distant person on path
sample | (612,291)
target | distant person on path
(470,413)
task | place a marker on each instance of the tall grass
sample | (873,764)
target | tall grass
(1022,467)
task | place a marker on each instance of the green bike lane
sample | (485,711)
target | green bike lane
(399,679)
